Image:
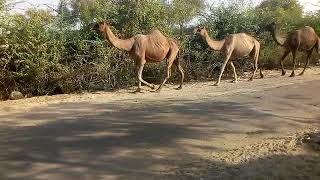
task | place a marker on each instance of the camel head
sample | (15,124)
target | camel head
(200,31)
(100,26)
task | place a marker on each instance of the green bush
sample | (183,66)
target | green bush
(44,52)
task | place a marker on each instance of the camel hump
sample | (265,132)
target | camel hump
(241,35)
(157,36)
(156,32)
(308,29)
(248,34)
(140,35)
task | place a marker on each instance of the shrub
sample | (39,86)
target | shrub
(44,52)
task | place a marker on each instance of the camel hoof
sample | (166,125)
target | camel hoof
(262,76)
(300,74)
(251,79)
(138,91)
(153,87)
(235,81)
(292,75)
(157,90)
(283,73)
(216,84)
(179,88)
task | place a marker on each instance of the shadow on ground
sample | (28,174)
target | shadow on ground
(120,140)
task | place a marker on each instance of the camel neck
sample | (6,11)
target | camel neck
(214,44)
(118,43)
(277,38)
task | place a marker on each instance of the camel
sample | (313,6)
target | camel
(233,46)
(303,40)
(151,48)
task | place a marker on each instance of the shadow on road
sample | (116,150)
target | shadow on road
(122,140)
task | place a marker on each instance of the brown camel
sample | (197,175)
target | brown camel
(151,48)
(304,40)
(233,46)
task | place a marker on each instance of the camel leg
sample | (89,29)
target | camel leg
(255,68)
(261,74)
(307,62)
(170,62)
(234,72)
(140,70)
(256,59)
(177,63)
(174,50)
(281,62)
(223,67)
(294,63)
(139,82)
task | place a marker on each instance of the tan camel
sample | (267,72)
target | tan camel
(233,46)
(304,40)
(151,48)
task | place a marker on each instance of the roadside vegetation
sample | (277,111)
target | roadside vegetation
(45,52)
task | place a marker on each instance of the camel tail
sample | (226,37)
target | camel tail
(318,46)
(179,55)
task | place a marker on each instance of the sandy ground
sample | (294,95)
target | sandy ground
(248,130)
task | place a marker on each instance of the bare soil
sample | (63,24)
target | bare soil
(247,130)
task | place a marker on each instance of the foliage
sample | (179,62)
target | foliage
(286,12)
(183,11)
(45,52)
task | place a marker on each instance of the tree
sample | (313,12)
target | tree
(183,11)
(142,16)
(231,17)
(2,4)
(65,13)
(275,4)
(289,13)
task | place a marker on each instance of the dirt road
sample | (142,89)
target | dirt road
(201,132)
